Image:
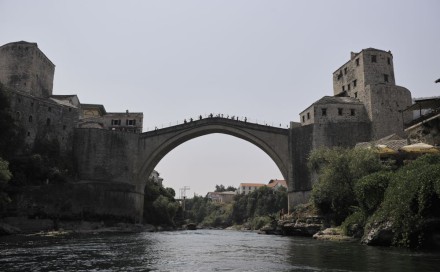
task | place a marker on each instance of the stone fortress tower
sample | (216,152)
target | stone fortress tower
(365,93)
(28,75)
(25,68)
(369,77)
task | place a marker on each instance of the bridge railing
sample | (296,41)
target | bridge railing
(218,115)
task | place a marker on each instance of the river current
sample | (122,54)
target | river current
(202,250)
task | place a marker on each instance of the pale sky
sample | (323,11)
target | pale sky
(266,60)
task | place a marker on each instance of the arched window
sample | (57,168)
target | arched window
(48,121)
(30,118)
(18,115)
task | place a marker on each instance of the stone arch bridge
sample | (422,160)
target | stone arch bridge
(113,166)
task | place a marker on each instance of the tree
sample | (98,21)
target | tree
(222,188)
(412,202)
(338,170)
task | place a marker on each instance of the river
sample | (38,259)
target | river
(202,250)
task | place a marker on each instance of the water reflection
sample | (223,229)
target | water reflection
(204,250)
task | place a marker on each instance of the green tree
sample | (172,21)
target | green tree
(412,202)
(338,170)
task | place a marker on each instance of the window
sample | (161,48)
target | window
(354,83)
(357,62)
(30,118)
(48,121)
(32,104)
(355,95)
(343,88)
(64,127)
(308,115)
(352,112)
(345,70)
(389,60)
(116,122)
(339,75)
(373,58)
(385,77)
(339,111)
(49,109)
(28,133)
(130,122)
(348,86)
(304,118)
(70,109)
(18,115)
(324,112)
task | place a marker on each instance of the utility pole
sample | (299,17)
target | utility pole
(183,197)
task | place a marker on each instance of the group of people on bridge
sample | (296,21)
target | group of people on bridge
(220,115)
(233,117)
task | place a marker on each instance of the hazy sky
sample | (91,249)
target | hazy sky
(266,60)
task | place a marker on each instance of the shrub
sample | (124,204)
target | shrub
(412,201)
(338,169)
(370,191)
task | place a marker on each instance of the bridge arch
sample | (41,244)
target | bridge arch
(155,145)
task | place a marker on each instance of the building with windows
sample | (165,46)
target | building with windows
(95,116)
(246,188)
(27,75)
(365,95)
(221,197)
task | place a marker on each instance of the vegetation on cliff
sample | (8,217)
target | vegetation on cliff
(253,210)
(160,207)
(360,192)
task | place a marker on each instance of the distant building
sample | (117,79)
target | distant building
(221,197)
(246,188)
(425,127)
(155,177)
(277,184)
(95,116)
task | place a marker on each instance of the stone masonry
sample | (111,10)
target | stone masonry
(114,160)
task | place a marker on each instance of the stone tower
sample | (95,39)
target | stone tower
(369,77)
(24,68)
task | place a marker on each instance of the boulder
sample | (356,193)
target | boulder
(6,229)
(302,227)
(333,234)
(379,234)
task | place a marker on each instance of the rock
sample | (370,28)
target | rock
(6,229)
(270,229)
(149,228)
(379,234)
(301,227)
(191,226)
(333,234)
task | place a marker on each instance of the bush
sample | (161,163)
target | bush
(354,224)
(338,170)
(370,191)
(412,202)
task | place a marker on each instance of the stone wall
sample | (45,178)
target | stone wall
(104,155)
(43,118)
(23,67)
(384,105)
(92,201)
